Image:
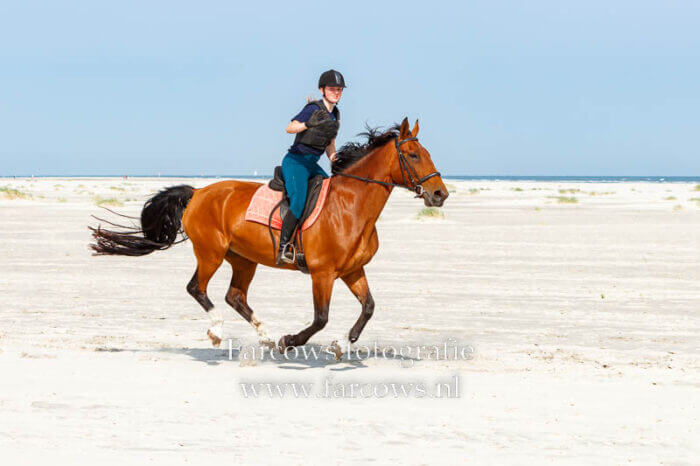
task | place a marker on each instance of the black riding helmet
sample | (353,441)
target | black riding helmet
(331,78)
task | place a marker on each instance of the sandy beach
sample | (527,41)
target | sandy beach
(578,305)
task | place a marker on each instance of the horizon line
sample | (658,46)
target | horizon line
(158,175)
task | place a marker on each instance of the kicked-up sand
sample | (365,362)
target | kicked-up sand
(558,323)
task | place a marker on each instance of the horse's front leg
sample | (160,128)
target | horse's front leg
(357,282)
(322,289)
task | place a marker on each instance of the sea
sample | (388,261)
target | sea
(552,178)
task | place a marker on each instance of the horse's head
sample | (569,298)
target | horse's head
(415,168)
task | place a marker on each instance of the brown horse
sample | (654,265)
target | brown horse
(338,245)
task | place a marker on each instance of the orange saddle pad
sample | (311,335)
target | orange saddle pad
(265,199)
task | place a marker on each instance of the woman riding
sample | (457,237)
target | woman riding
(316,127)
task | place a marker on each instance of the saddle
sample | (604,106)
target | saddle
(312,193)
(270,204)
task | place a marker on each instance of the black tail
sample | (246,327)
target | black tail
(161,221)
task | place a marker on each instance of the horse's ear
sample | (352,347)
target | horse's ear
(414,131)
(403,132)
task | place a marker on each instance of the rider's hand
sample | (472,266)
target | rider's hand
(316,119)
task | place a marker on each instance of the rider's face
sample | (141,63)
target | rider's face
(333,94)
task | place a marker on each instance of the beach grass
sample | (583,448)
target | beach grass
(518,189)
(473,191)
(670,198)
(604,193)
(570,191)
(697,187)
(113,201)
(430,212)
(12,193)
(565,199)
(677,207)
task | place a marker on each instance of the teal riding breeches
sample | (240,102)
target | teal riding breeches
(297,169)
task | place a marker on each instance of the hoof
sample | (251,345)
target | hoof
(336,349)
(285,342)
(215,340)
(267,343)
(353,338)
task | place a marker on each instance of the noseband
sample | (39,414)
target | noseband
(411,180)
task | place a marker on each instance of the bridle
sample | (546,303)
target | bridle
(415,183)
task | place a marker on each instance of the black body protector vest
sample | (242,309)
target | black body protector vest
(320,136)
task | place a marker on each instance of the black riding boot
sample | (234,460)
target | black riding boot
(285,254)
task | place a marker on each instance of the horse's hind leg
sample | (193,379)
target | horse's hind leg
(207,263)
(357,282)
(237,295)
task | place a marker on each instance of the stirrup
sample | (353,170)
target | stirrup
(283,257)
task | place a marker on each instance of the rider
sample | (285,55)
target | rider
(316,127)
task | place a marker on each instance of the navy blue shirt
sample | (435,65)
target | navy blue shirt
(303,117)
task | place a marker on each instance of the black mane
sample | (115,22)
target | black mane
(351,152)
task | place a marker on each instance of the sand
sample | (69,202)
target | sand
(581,320)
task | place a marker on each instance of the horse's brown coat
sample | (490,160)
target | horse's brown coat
(338,245)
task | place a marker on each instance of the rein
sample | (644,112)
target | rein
(406,169)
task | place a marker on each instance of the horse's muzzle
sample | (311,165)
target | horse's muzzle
(435,198)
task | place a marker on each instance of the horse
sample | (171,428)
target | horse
(339,244)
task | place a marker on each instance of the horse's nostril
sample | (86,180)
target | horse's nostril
(438,194)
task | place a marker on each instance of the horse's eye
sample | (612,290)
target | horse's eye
(413,155)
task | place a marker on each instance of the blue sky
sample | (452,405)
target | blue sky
(503,88)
